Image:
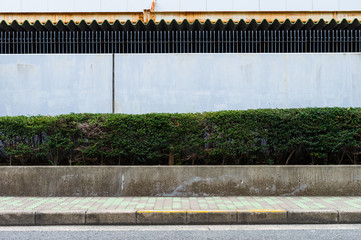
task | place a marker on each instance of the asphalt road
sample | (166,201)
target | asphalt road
(287,232)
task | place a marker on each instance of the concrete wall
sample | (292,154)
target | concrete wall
(177,5)
(55,84)
(181,181)
(61,84)
(211,82)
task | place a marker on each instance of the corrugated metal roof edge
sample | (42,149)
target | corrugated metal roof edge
(185,25)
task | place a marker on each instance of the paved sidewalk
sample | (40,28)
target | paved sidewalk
(177,210)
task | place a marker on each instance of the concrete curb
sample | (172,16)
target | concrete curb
(179,217)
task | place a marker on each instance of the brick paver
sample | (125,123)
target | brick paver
(177,203)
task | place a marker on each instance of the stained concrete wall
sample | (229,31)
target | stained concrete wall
(55,84)
(211,82)
(181,181)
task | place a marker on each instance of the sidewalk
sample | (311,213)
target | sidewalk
(176,210)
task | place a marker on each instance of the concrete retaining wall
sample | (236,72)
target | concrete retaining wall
(181,181)
(212,82)
(55,84)
(144,83)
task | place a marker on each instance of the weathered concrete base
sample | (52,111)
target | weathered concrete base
(179,217)
(262,216)
(313,216)
(60,218)
(180,181)
(211,217)
(161,217)
(347,216)
(16,218)
(110,217)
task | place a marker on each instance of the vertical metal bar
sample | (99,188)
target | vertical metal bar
(249,43)
(34,40)
(232,42)
(109,45)
(348,40)
(188,48)
(336,44)
(356,40)
(266,39)
(1,43)
(90,42)
(191,41)
(72,45)
(5,42)
(16,40)
(47,42)
(237,46)
(279,41)
(203,45)
(298,40)
(117,42)
(142,42)
(342,41)
(352,48)
(184,41)
(135,40)
(218,42)
(164,41)
(146,42)
(294,41)
(153,42)
(271,40)
(324,39)
(208,41)
(333,40)
(180,42)
(359,40)
(173,42)
(199,41)
(81,47)
(291,41)
(138,42)
(20,42)
(126,42)
(241,41)
(196,41)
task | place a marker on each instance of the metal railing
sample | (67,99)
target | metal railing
(235,41)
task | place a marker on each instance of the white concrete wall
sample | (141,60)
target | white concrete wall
(61,84)
(55,84)
(212,82)
(177,5)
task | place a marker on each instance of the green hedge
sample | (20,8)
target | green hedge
(291,136)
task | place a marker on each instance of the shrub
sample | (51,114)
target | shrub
(270,136)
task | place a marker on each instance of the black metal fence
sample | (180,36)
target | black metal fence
(234,41)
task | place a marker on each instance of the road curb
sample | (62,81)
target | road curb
(111,217)
(16,218)
(262,216)
(60,218)
(349,216)
(179,217)
(322,216)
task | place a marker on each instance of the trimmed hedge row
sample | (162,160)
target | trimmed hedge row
(291,136)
